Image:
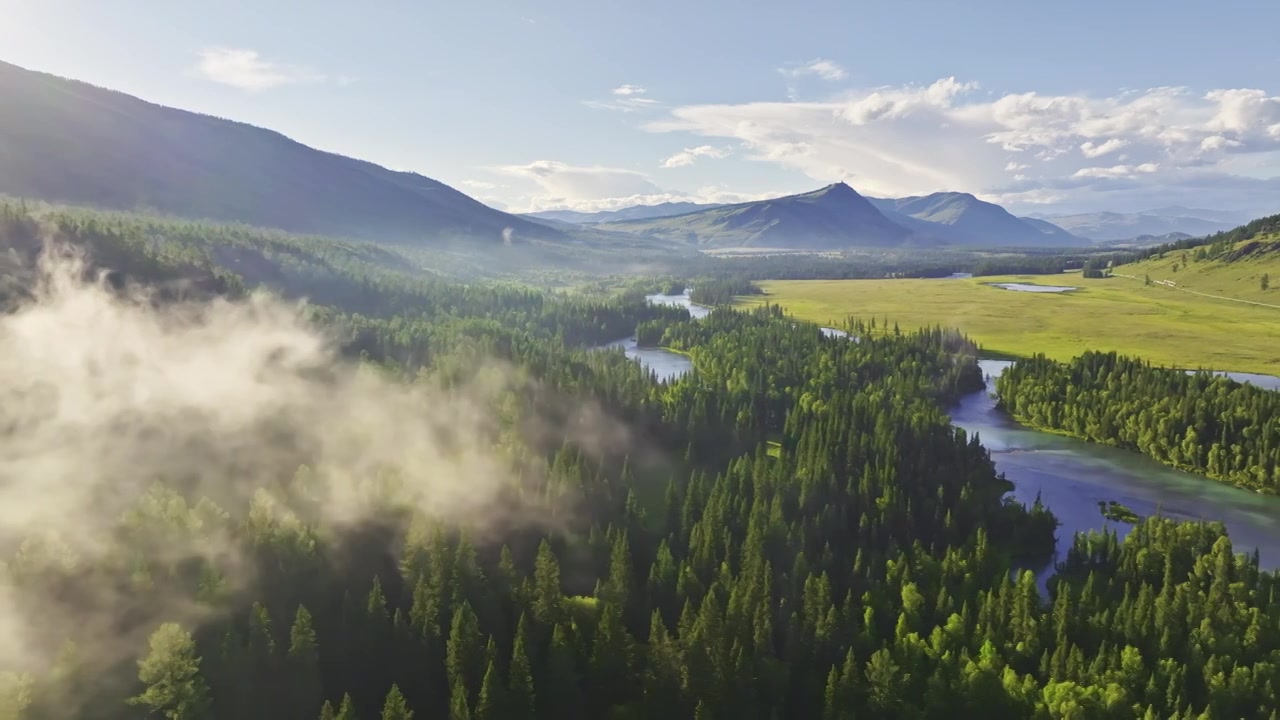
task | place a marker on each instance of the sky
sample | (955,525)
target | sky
(568,104)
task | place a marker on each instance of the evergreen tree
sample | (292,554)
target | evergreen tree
(395,707)
(171,673)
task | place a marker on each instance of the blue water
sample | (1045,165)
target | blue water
(1023,287)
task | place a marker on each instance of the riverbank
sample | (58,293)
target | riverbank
(1027,423)
(1071,476)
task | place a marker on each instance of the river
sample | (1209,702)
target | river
(1072,476)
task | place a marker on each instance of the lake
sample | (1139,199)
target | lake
(1023,287)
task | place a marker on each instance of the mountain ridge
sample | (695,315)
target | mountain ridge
(633,212)
(831,218)
(959,218)
(1108,226)
(68,141)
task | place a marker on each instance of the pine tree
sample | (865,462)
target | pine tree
(563,695)
(304,664)
(347,710)
(459,709)
(520,676)
(547,593)
(489,704)
(395,707)
(171,672)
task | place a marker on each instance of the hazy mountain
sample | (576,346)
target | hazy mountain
(834,217)
(635,212)
(1108,226)
(67,141)
(1146,240)
(1226,216)
(962,219)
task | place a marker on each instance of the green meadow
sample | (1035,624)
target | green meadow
(1162,324)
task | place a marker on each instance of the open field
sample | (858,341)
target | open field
(1156,322)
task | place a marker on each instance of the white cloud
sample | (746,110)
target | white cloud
(477,184)
(625,98)
(688,156)
(247,70)
(825,69)
(1089,150)
(554,185)
(917,139)
(1115,171)
(561,182)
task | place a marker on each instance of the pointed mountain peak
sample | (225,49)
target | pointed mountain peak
(836,191)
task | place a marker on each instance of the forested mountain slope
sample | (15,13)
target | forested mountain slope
(67,141)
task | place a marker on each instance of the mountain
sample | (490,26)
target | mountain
(835,217)
(635,212)
(67,141)
(962,219)
(1110,226)
(1225,216)
(1146,240)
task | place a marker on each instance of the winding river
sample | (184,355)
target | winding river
(1072,476)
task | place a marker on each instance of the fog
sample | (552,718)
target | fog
(104,394)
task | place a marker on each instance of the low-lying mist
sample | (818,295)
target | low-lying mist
(106,395)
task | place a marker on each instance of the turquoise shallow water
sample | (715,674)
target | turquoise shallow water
(1072,476)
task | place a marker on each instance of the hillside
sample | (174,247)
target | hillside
(1104,226)
(834,217)
(67,141)
(962,219)
(1232,265)
(635,212)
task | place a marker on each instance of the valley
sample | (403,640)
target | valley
(1068,475)
(1117,313)
(290,434)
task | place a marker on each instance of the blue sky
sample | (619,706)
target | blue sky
(1044,107)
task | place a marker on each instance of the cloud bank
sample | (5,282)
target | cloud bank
(1143,148)
(555,185)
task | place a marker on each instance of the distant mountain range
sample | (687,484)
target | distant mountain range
(961,219)
(66,141)
(832,218)
(635,212)
(1113,226)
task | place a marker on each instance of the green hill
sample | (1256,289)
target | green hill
(1230,265)
(66,141)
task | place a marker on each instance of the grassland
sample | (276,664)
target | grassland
(1163,324)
